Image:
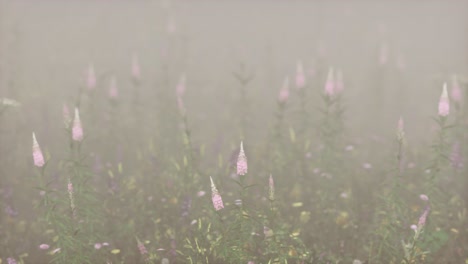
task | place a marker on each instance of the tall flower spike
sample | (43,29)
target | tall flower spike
(216,197)
(423,218)
(339,85)
(66,116)
(37,153)
(401,130)
(91,77)
(284,92)
(300,78)
(135,70)
(456,92)
(271,189)
(330,84)
(113,91)
(241,161)
(180,89)
(444,104)
(77,130)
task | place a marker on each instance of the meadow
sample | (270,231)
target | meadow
(233,132)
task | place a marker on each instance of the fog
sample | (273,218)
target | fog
(166,92)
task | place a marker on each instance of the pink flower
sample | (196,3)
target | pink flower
(113,91)
(444,105)
(400,129)
(367,166)
(142,248)
(180,89)
(424,197)
(414,227)
(77,130)
(330,84)
(383,54)
(216,197)
(44,246)
(456,158)
(241,161)
(300,77)
(284,92)
(423,217)
(339,84)
(271,189)
(97,245)
(11,261)
(456,92)
(135,69)
(91,77)
(37,153)
(66,116)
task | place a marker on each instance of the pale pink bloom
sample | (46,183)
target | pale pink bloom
(37,153)
(330,84)
(423,217)
(444,104)
(11,261)
(456,158)
(414,227)
(77,130)
(135,69)
(383,54)
(284,92)
(456,92)
(339,84)
(216,197)
(180,105)
(400,129)
(401,64)
(142,248)
(271,189)
(180,88)
(201,193)
(91,77)
(241,161)
(105,244)
(113,91)
(97,245)
(171,26)
(300,77)
(367,166)
(424,197)
(44,246)
(66,116)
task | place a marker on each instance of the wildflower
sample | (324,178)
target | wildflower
(271,189)
(423,217)
(135,69)
(141,248)
(400,130)
(367,166)
(91,77)
(456,158)
(456,92)
(77,130)
(216,197)
(241,161)
(70,195)
(180,88)
(11,261)
(113,91)
(300,78)
(66,116)
(414,227)
(383,54)
(444,105)
(424,197)
(339,84)
(44,246)
(97,245)
(37,153)
(284,92)
(329,84)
